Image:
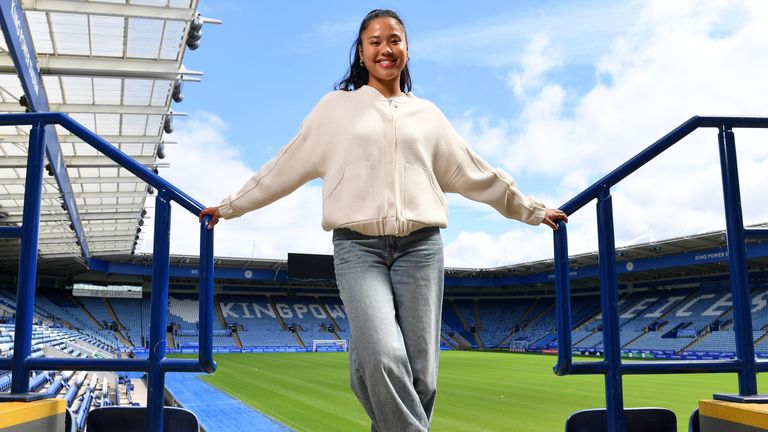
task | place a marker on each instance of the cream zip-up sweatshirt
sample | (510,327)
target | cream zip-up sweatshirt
(386,165)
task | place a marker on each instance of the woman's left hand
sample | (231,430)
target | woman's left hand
(552,216)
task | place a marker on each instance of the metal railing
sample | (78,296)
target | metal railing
(611,366)
(156,365)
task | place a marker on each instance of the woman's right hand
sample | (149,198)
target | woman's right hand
(213,212)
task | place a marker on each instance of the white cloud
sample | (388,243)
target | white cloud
(207,167)
(537,60)
(678,60)
(499,41)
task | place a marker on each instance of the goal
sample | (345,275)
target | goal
(329,345)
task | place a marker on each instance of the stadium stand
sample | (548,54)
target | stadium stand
(305,317)
(133,317)
(500,319)
(259,326)
(456,325)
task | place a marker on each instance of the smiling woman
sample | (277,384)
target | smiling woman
(387,158)
(379,56)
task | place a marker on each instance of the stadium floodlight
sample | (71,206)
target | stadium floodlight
(168,123)
(161,151)
(176,94)
(195,32)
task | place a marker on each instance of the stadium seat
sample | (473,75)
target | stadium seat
(693,422)
(131,419)
(69,421)
(635,420)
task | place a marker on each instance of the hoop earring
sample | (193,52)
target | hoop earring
(362,63)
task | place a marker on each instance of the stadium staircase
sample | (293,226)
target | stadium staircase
(478,324)
(171,342)
(456,310)
(238,342)
(330,317)
(219,313)
(120,327)
(517,325)
(763,337)
(707,331)
(541,315)
(636,338)
(615,417)
(84,310)
(298,338)
(278,316)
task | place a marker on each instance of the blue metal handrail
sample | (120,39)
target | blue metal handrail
(157,364)
(611,367)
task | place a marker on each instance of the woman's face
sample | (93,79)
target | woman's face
(384,52)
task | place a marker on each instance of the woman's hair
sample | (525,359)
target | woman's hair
(357,75)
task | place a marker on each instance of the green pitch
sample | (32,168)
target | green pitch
(477,391)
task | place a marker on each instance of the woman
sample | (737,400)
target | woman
(386,159)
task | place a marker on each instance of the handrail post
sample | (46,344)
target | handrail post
(609,303)
(562,301)
(159,312)
(25,292)
(205,315)
(737,259)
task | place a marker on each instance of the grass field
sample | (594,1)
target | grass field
(477,391)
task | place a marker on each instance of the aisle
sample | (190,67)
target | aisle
(216,410)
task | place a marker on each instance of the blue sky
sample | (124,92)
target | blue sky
(557,93)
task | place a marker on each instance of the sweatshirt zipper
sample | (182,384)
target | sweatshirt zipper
(394,160)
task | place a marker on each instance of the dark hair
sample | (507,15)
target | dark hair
(357,75)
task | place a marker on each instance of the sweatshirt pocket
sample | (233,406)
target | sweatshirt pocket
(423,200)
(349,198)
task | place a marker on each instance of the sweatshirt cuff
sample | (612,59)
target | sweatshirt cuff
(536,216)
(225,209)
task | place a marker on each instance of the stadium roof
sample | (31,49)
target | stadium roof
(112,65)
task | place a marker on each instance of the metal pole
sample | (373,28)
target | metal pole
(562,301)
(205,315)
(737,258)
(159,312)
(609,299)
(25,293)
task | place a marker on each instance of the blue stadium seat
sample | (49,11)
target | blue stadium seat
(693,422)
(131,419)
(635,420)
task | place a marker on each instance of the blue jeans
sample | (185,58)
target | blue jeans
(392,289)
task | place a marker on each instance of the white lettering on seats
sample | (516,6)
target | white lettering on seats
(663,309)
(724,302)
(641,306)
(683,311)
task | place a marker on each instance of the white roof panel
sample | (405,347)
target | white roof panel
(41,35)
(144,37)
(52,87)
(172,40)
(69,35)
(77,89)
(106,35)
(107,91)
(108,124)
(138,91)
(95,69)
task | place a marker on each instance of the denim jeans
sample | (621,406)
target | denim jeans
(392,289)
